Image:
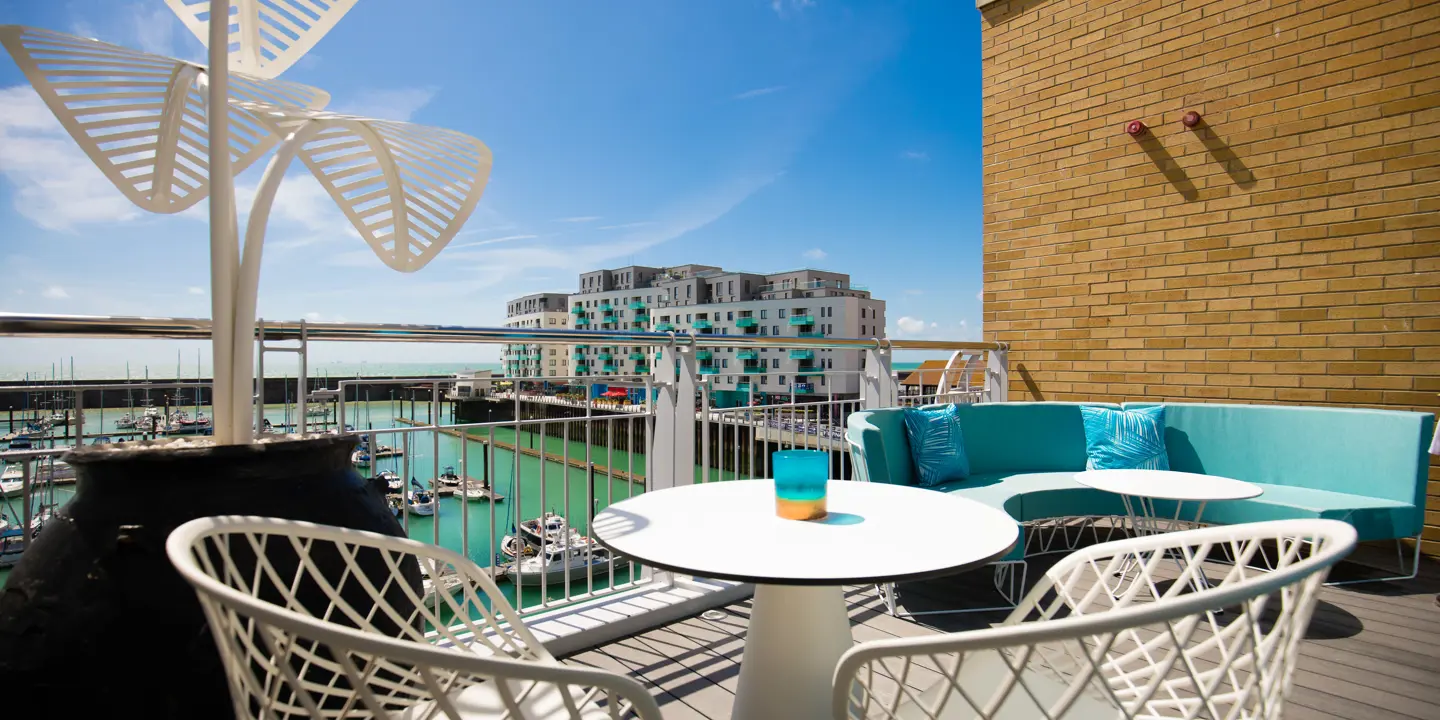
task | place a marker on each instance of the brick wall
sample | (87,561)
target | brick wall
(1287,250)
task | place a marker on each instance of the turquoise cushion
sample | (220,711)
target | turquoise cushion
(1125,439)
(1370,454)
(1373,518)
(936,445)
(1024,436)
(878,448)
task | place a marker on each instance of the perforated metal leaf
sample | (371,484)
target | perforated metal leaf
(406,188)
(266,36)
(140,117)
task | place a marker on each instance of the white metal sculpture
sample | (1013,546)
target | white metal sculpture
(407,189)
(301,641)
(1115,631)
(265,38)
(144,120)
(141,117)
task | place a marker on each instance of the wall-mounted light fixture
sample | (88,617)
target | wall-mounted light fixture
(1135,128)
(1190,119)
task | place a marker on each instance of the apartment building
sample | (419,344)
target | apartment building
(709,300)
(538,311)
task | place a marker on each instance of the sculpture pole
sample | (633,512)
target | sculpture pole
(223,251)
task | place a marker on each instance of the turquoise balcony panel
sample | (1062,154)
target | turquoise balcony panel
(802,354)
(802,319)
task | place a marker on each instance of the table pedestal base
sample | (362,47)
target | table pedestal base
(797,635)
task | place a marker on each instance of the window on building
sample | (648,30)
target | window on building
(731,285)
(689,289)
(830,364)
(762,330)
(764,380)
(780,313)
(822,380)
(774,329)
(782,380)
(775,363)
(730,315)
(724,362)
(730,380)
(764,314)
(687,317)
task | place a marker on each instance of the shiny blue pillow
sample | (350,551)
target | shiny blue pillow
(936,445)
(1125,439)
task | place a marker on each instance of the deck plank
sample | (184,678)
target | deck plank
(1372,652)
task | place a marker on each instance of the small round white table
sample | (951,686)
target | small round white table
(1139,489)
(799,627)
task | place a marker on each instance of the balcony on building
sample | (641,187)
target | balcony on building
(637,305)
(702,325)
(748,324)
(704,354)
(802,319)
(747,355)
(582,321)
(802,354)
(665,327)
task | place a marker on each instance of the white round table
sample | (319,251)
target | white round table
(1139,489)
(799,627)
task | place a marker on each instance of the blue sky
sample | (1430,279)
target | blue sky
(754,134)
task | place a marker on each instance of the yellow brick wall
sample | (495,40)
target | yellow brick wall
(1287,251)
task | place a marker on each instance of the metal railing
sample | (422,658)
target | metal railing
(675,436)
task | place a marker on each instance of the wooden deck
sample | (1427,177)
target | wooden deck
(1372,651)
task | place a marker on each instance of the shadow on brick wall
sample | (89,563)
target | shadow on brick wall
(1221,153)
(1001,12)
(1167,165)
(1030,385)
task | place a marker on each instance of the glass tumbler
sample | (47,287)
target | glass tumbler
(800,478)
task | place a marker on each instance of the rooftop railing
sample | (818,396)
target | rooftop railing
(677,424)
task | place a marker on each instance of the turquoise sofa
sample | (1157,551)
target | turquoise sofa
(1365,467)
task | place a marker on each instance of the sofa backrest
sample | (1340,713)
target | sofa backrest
(1375,453)
(999,437)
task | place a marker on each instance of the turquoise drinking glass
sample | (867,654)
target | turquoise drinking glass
(800,477)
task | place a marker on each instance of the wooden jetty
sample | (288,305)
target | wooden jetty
(578,463)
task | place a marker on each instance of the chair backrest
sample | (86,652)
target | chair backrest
(1123,629)
(320,621)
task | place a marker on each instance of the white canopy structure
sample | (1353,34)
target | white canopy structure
(265,38)
(140,117)
(144,121)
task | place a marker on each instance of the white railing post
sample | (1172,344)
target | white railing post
(674,447)
(997,377)
(877,387)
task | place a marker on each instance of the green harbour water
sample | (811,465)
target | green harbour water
(473,528)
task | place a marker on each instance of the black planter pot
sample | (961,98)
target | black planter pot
(94,620)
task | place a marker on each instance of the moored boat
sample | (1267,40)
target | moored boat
(557,563)
(476,491)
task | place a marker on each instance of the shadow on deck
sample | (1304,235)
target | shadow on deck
(1372,651)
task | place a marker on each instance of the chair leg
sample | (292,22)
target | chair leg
(1400,559)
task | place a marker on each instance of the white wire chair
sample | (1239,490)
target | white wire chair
(307,627)
(1126,629)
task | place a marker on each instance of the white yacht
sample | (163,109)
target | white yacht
(12,481)
(556,561)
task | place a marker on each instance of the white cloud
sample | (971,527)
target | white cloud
(916,155)
(394,104)
(909,324)
(312,315)
(815,254)
(757,92)
(492,241)
(934,325)
(55,292)
(783,7)
(579,219)
(195,290)
(153,29)
(56,185)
